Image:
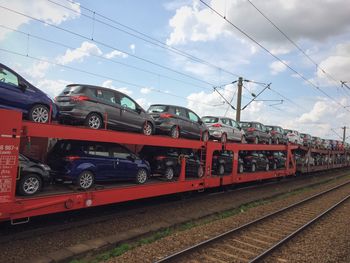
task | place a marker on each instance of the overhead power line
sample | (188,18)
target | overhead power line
(100,75)
(273,55)
(140,35)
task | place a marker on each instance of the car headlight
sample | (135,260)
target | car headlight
(45,167)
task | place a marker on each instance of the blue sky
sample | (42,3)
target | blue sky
(97,51)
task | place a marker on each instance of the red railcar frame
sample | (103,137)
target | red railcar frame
(14,130)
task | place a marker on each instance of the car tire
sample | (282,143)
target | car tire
(175,132)
(256,141)
(169,173)
(240,168)
(223,138)
(39,113)
(205,136)
(147,128)
(200,171)
(94,121)
(29,184)
(253,168)
(221,169)
(141,176)
(267,168)
(85,180)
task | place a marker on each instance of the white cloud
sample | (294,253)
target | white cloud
(278,67)
(40,9)
(38,69)
(132,47)
(109,84)
(145,90)
(337,64)
(196,22)
(52,87)
(115,53)
(143,103)
(85,50)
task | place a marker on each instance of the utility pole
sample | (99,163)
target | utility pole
(344,134)
(239,99)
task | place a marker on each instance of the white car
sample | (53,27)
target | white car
(223,129)
(293,137)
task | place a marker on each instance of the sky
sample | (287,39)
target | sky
(176,52)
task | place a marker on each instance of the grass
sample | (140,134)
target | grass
(122,248)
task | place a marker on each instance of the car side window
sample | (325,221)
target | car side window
(8,77)
(180,112)
(119,152)
(226,122)
(106,95)
(127,102)
(192,116)
(98,150)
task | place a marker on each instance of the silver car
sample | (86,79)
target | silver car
(223,129)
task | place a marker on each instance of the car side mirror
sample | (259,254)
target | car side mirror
(138,109)
(131,158)
(200,122)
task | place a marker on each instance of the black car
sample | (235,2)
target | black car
(167,161)
(277,160)
(222,162)
(96,106)
(253,161)
(87,162)
(277,134)
(18,94)
(256,132)
(32,175)
(178,121)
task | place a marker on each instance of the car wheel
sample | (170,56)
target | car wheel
(221,169)
(277,141)
(240,168)
(223,138)
(29,184)
(141,176)
(205,136)
(175,132)
(269,141)
(275,166)
(253,169)
(200,171)
(169,173)
(256,141)
(85,180)
(39,113)
(267,167)
(93,121)
(147,129)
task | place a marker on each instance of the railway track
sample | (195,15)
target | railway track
(63,222)
(256,240)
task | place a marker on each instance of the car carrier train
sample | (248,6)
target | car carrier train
(174,165)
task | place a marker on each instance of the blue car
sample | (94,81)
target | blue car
(86,162)
(18,94)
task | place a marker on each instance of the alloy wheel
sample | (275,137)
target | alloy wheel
(40,114)
(169,173)
(86,179)
(94,122)
(31,185)
(141,176)
(147,129)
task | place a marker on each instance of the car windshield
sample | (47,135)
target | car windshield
(246,124)
(71,90)
(157,109)
(288,131)
(210,119)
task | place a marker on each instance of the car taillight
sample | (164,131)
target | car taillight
(166,115)
(251,129)
(160,158)
(72,158)
(273,132)
(217,125)
(79,98)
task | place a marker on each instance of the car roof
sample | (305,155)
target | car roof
(96,87)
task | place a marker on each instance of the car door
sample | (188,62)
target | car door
(195,122)
(228,128)
(98,155)
(237,130)
(264,132)
(125,166)
(108,105)
(12,95)
(182,119)
(130,116)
